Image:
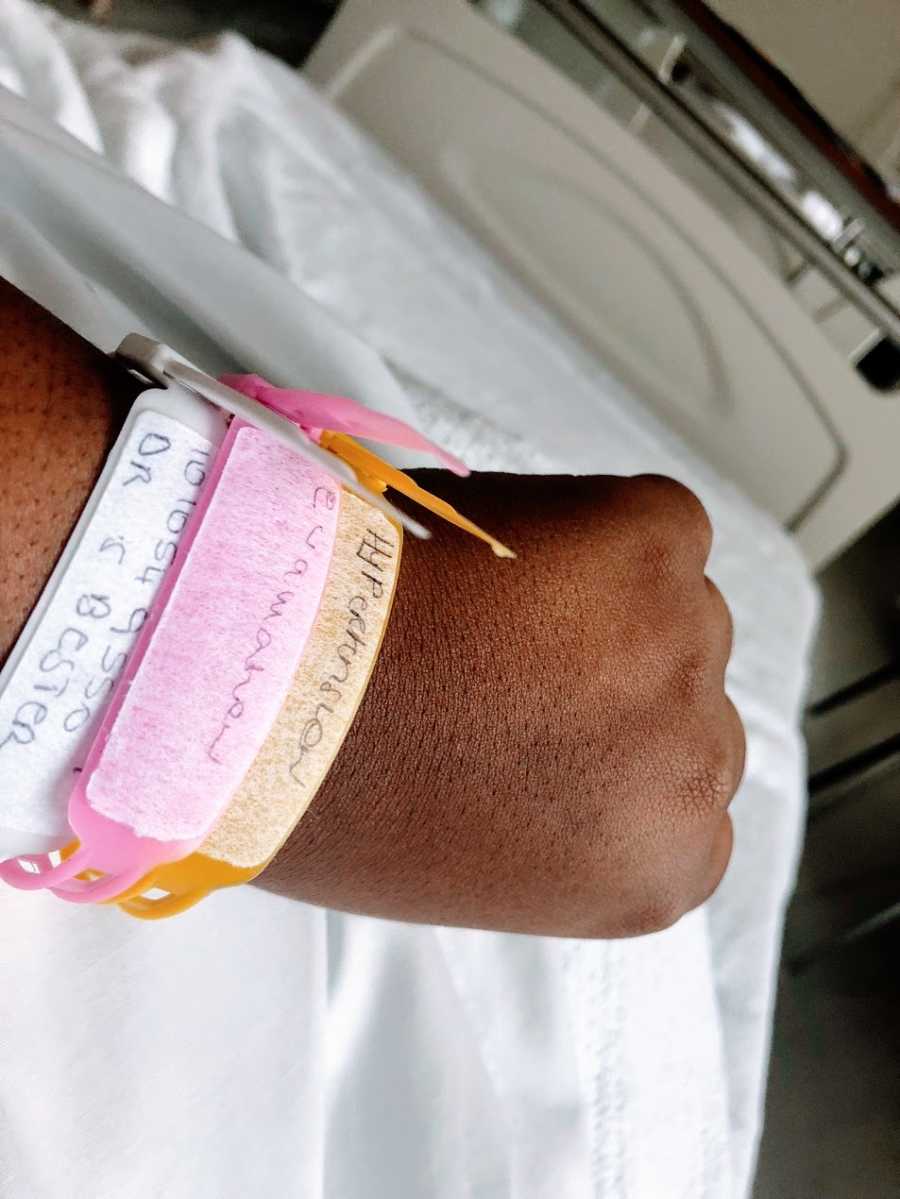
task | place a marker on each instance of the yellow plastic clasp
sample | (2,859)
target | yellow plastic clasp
(373,470)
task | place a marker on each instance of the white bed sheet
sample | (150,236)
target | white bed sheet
(256,1043)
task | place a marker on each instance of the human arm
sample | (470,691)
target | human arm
(545,746)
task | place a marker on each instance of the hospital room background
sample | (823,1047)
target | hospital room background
(706,199)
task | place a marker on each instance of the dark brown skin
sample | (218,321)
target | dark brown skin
(545,746)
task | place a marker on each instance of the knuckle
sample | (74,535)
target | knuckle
(663,558)
(738,742)
(721,618)
(673,522)
(710,785)
(681,507)
(692,675)
(654,915)
(714,877)
(675,498)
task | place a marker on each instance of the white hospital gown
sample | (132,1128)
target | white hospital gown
(256,1044)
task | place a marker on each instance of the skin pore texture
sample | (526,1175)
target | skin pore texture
(545,746)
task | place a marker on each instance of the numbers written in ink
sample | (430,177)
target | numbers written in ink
(67,676)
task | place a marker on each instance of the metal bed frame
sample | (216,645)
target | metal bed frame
(863,218)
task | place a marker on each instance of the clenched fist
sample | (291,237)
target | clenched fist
(546,745)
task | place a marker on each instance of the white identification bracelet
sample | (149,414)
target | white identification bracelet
(59,676)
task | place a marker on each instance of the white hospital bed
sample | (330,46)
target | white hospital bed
(645,271)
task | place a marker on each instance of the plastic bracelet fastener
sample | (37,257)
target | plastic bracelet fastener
(160,363)
(329,419)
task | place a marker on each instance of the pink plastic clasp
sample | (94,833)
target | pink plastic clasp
(106,847)
(314,412)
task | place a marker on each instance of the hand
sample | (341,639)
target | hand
(546,745)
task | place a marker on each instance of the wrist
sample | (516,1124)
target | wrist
(62,403)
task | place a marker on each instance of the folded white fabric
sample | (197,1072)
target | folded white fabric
(256,1043)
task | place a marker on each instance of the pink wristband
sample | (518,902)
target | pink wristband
(209,671)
